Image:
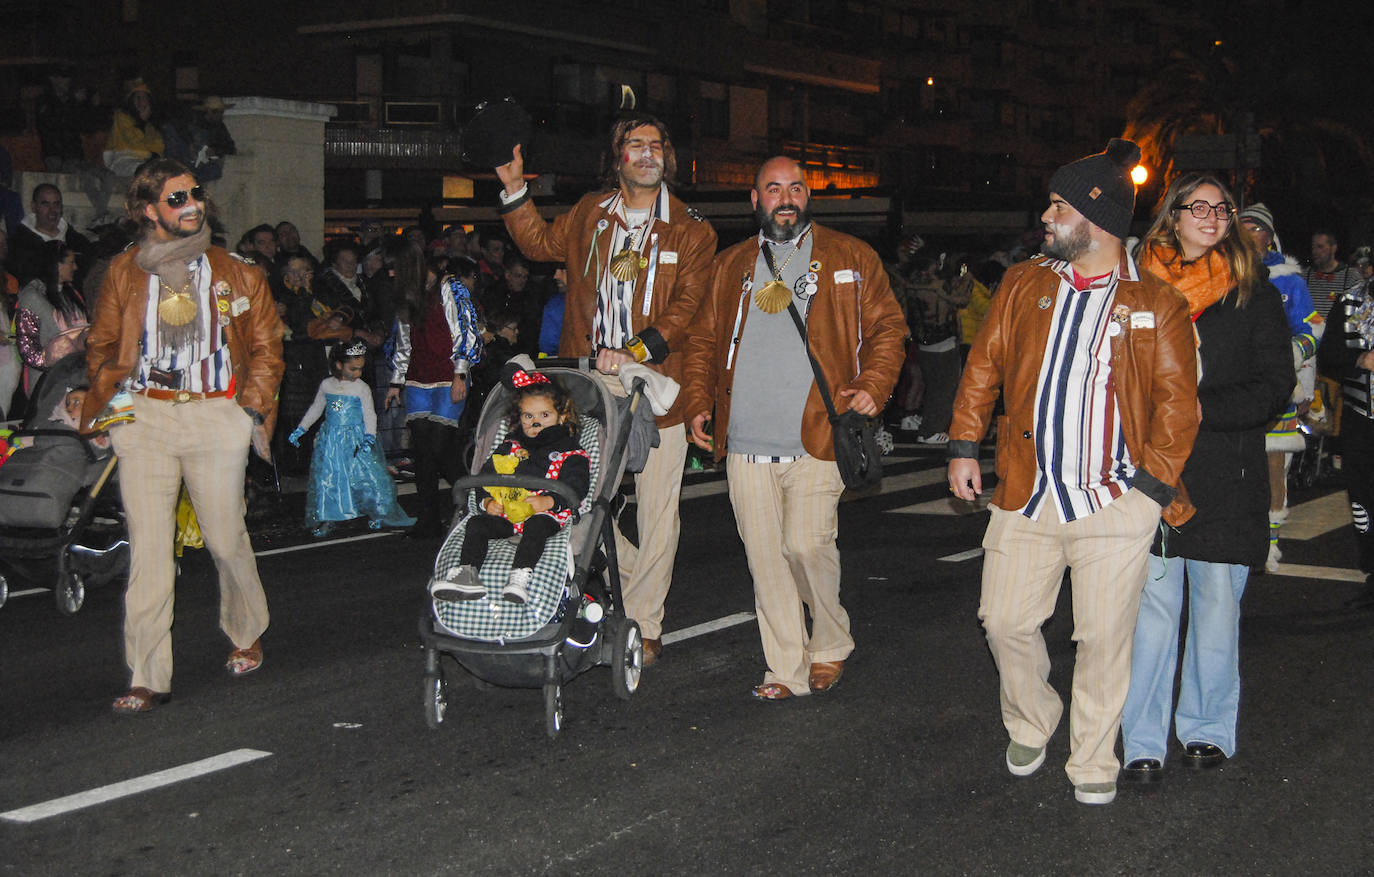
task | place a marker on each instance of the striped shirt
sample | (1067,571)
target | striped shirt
(1351,326)
(1327,287)
(1082,463)
(204,365)
(613,322)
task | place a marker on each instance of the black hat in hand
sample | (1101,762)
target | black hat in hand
(494,132)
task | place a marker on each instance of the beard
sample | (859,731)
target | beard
(778,232)
(1069,243)
(179,230)
(642,173)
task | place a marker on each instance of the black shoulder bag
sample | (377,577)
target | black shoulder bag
(856,444)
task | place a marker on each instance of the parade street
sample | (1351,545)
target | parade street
(321,762)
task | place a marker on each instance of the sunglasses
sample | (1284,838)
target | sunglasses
(178,199)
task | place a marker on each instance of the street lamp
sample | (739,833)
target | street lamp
(1139,175)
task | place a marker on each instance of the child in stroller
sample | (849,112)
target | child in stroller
(546,444)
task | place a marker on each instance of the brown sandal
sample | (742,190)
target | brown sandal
(825,675)
(244,661)
(139,700)
(771,691)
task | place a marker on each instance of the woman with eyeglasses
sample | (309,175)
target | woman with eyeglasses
(1245,378)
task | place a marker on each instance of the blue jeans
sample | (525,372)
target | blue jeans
(1209,693)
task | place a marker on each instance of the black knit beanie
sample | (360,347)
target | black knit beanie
(1100,187)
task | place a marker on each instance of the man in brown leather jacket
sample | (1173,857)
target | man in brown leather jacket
(1096,364)
(191,333)
(637,259)
(746,361)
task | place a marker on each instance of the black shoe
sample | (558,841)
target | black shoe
(1202,756)
(1143,770)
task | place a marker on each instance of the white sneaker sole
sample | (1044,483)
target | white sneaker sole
(1025,770)
(1083,797)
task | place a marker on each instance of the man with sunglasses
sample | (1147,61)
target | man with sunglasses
(189,338)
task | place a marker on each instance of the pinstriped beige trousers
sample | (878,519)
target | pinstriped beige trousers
(1023,568)
(646,571)
(787,515)
(206,444)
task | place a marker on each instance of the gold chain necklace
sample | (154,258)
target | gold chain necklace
(178,308)
(625,264)
(774,296)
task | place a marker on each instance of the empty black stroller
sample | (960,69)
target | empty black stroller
(573,619)
(60,520)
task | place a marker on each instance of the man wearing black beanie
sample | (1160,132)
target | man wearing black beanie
(1096,364)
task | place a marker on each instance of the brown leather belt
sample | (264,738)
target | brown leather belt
(183,395)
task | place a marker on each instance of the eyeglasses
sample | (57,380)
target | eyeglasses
(178,199)
(1201,209)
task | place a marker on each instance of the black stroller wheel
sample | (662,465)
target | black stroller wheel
(4,590)
(436,702)
(553,708)
(70,592)
(627,662)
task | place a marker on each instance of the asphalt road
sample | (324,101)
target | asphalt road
(325,765)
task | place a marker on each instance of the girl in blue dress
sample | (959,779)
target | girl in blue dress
(348,477)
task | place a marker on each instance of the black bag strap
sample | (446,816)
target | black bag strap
(815,366)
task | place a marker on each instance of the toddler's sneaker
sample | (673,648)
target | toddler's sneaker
(939,438)
(911,422)
(461,583)
(517,588)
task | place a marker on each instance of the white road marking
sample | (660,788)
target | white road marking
(103,794)
(30,592)
(708,627)
(325,542)
(1318,516)
(1329,573)
(962,556)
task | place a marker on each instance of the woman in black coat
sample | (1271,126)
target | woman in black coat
(1246,378)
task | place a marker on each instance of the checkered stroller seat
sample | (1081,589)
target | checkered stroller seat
(491,618)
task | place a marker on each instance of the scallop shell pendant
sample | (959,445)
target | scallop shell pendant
(625,266)
(176,309)
(773,297)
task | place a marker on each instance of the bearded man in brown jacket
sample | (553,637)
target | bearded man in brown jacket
(191,333)
(747,368)
(637,260)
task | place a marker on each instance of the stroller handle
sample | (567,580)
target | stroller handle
(578,363)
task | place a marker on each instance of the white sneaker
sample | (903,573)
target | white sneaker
(911,422)
(1271,564)
(940,438)
(461,583)
(1022,760)
(517,588)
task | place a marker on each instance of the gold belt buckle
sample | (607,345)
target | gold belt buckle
(183,396)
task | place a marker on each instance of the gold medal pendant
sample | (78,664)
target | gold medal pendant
(176,309)
(625,266)
(773,297)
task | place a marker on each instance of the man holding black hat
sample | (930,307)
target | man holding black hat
(1096,363)
(637,261)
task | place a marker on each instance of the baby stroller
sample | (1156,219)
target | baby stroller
(574,618)
(60,521)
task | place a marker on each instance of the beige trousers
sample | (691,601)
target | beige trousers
(1023,568)
(788,517)
(646,572)
(206,445)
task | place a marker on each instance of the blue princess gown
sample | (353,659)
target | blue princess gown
(348,477)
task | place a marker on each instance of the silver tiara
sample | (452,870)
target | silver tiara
(357,348)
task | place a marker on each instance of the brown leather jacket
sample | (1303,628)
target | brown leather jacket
(855,329)
(252,337)
(1154,375)
(685,245)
